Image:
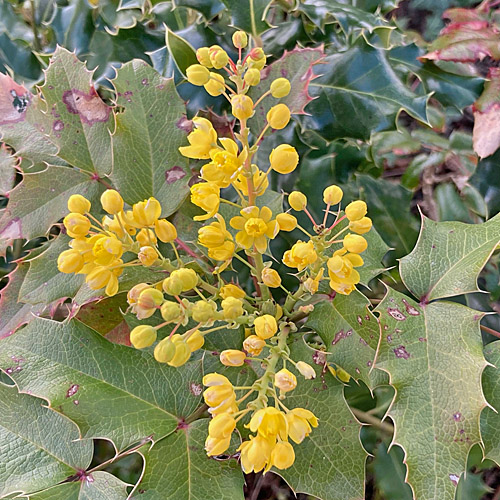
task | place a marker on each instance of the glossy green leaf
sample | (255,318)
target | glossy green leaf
(37,446)
(181,51)
(434,357)
(209,8)
(249,15)
(461,252)
(146,159)
(390,473)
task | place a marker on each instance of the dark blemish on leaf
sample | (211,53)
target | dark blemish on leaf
(160,87)
(368,364)
(452,231)
(341,335)
(360,320)
(401,352)
(457,416)
(386,327)
(343,429)
(433,246)
(396,313)
(73,389)
(363,341)
(145,81)
(50,87)
(358,371)
(244,371)
(461,431)
(367,317)
(410,309)
(397,330)
(422,339)
(174,174)
(90,107)
(195,389)
(319,357)
(76,402)
(454,478)
(58,125)
(389,338)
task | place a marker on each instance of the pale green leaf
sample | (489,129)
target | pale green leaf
(448,257)
(7,171)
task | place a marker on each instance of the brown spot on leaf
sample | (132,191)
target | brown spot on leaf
(401,352)
(396,313)
(341,335)
(174,174)
(14,100)
(319,357)
(410,309)
(73,389)
(90,107)
(195,389)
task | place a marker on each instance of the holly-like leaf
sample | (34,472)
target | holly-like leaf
(372,257)
(80,120)
(110,391)
(37,445)
(98,485)
(7,171)
(181,51)
(448,257)
(209,8)
(249,15)
(433,354)
(146,158)
(358,93)
(330,463)
(178,468)
(350,332)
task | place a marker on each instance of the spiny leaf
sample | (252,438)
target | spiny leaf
(37,445)
(110,391)
(181,51)
(448,257)
(249,15)
(79,119)
(209,8)
(146,159)
(434,357)
(7,171)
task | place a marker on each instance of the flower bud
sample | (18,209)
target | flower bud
(78,204)
(222,252)
(221,426)
(231,290)
(280,88)
(270,277)
(77,225)
(218,56)
(149,299)
(232,357)
(265,326)
(240,39)
(215,85)
(165,230)
(332,195)
(361,226)
(70,261)
(278,116)
(253,345)
(170,311)
(212,236)
(204,311)
(284,159)
(172,285)
(286,222)
(252,77)
(147,256)
(195,341)
(232,308)
(217,446)
(134,292)
(285,380)
(355,243)
(256,58)
(188,277)
(142,336)
(307,371)
(203,56)
(111,201)
(182,354)
(164,351)
(297,200)
(146,212)
(197,74)
(241,106)
(355,210)
(146,237)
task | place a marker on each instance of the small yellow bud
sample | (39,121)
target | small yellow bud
(142,336)
(77,225)
(278,116)
(146,237)
(165,230)
(307,371)
(215,85)
(270,277)
(111,201)
(172,285)
(195,341)
(332,195)
(206,195)
(70,261)
(221,426)
(232,308)
(146,212)
(170,311)
(197,74)
(213,235)
(204,311)
(134,292)
(218,56)
(256,58)
(283,455)
(280,88)
(240,39)
(300,421)
(182,353)
(164,351)
(253,345)
(284,159)
(188,277)
(265,326)
(147,256)
(217,446)
(203,56)
(241,107)
(297,200)
(222,252)
(150,298)
(231,290)
(361,226)
(285,380)
(355,243)
(232,357)
(78,204)
(252,77)
(356,210)
(287,222)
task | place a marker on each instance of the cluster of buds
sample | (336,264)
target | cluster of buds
(192,305)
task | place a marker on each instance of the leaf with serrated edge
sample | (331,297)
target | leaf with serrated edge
(37,445)
(330,463)
(146,158)
(7,171)
(80,120)
(448,257)
(178,468)
(434,357)
(98,485)
(110,391)
(350,332)
(249,15)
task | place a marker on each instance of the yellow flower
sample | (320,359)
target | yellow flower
(201,140)
(240,39)
(106,250)
(356,210)
(77,225)
(215,234)
(278,116)
(285,380)
(282,456)
(216,446)
(147,302)
(197,74)
(146,237)
(180,280)
(146,212)
(361,226)
(297,200)
(265,326)
(260,182)
(148,256)
(280,88)
(218,56)
(300,421)
(203,56)
(221,426)
(143,336)
(252,77)
(255,453)
(312,284)
(135,291)
(78,204)
(220,395)
(206,195)
(300,255)
(165,230)
(253,345)
(231,290)
(355,243)
(254,226)
(332,195)
(204,311)
(222,252)
(287,222)
(215,85)
(232,357)
(111,201)
(70,261)
(341,271)
(101,277)
(232,308)
(241,106)
(225,163)
(269,422)
(182,352)
(195,340)
(284,159)
(307,371)
(270,277)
